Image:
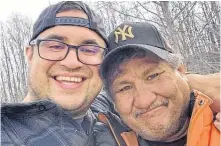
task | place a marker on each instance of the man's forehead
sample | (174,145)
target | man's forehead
(139,62)
(145,64)
(137,68)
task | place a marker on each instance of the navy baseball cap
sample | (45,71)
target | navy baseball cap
(134,35)
(48,19)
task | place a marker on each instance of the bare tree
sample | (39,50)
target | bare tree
(16,32)
(192,29)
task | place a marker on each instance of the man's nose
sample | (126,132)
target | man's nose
(71,60)
(143,98)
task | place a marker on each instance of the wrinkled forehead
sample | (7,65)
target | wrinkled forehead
(137,61)
(131,64)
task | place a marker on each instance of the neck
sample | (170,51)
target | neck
(29,98)
(181,133)
(79,116)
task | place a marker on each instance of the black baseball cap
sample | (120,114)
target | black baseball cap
(48,19)
(134,35)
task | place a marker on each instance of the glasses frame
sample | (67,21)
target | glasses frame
(38,41)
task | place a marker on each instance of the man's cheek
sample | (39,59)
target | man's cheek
(166,87)
(123,107)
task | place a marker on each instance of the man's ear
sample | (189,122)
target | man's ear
(182,69)
(28,52)
(115,107)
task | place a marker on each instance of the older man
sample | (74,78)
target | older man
(148,84)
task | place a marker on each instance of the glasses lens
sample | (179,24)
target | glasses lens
(52,50)
(90,54)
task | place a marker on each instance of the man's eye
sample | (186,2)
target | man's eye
(85,50)
(153,76)
(89,50)
(125,88)
(56,47)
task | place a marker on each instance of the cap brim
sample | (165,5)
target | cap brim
(163,54)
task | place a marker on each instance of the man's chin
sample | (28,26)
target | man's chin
(153,135)
(160,132)
(153,138)
(73,104)
(77,111)
(70,106)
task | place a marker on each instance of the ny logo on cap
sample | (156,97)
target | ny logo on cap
(123,33)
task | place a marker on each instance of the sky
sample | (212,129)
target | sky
(31,8)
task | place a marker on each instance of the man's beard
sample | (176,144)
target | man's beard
(163,132)
(36,92)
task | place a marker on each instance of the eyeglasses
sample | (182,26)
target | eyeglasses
(55,50)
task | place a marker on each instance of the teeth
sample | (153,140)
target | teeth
(155,105)
(69,79)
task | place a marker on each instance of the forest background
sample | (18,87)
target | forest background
(191,27)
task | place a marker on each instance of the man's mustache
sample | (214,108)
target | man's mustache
(152,106)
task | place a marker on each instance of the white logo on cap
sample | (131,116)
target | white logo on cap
(123,33)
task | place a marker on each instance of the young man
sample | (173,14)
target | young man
(63,55)
(151,93)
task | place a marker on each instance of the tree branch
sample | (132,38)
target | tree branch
(137,17)
(148,10)
(175,17)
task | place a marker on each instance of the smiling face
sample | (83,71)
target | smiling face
(151,98)
(69,83)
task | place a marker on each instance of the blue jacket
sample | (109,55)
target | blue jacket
(43,123)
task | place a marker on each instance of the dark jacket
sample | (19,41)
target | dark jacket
(43,123)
